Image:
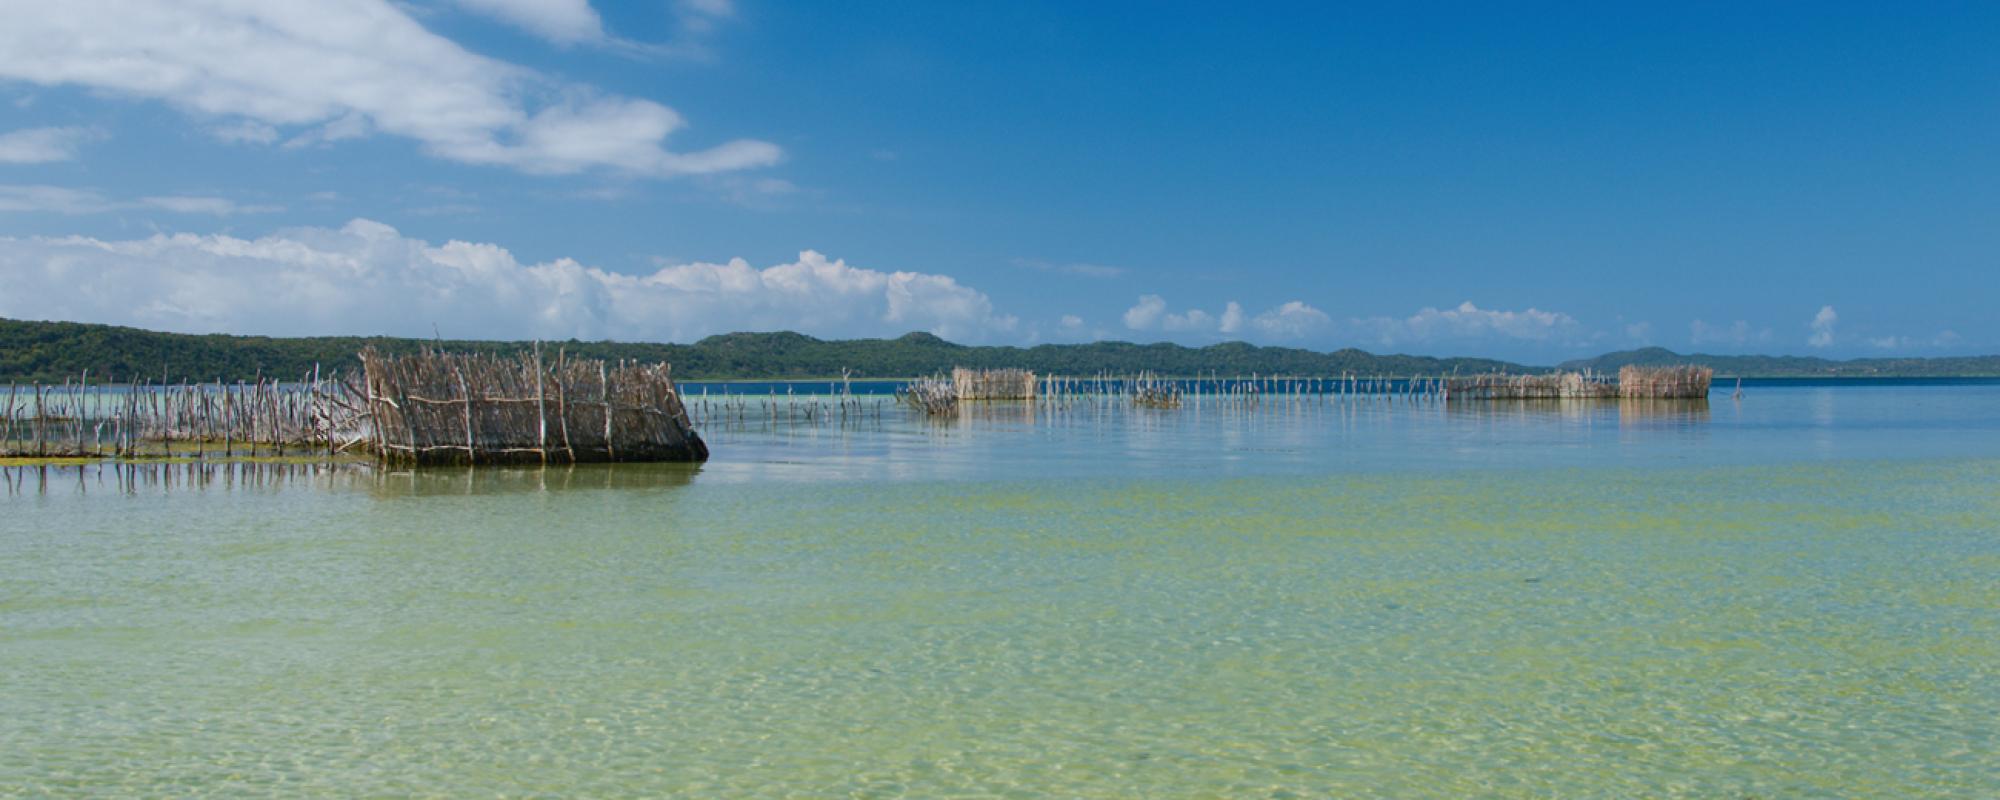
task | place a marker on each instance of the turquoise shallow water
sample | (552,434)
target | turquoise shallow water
(1791,597)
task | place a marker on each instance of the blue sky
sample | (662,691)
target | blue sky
(1526,181)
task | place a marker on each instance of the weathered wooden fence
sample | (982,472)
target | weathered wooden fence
(263,417)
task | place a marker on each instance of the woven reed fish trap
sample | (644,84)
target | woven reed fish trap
(458,408)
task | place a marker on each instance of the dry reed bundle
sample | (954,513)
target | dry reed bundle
(935,396)
(1152,391)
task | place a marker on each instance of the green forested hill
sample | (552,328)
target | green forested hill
(1799,366)
(53,351)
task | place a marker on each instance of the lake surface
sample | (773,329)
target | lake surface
(1793,595)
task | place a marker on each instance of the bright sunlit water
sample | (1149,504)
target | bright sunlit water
(1793,595)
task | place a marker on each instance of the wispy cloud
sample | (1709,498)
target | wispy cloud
(218,206)
(563,22)
(445,210)
(1077,268)
(45,145)
(1942,339)
(244,131)
(1736,333)
(366,277)
(64,200)
(761,194)
(316,72)
(568,23)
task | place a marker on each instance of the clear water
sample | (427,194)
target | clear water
(1791,596)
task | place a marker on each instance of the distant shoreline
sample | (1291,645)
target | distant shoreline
(51,352)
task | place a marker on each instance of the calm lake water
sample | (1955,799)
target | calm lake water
(1794,595)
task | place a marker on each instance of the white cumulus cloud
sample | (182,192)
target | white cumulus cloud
(43,145)
(1293,320)
(1468,321)
(1151,313)
(1146,313)
(1822,327)
(368,278)
(1232,318)
(1193,319)
(343,68)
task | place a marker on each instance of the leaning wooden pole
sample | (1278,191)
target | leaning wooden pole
(541,408)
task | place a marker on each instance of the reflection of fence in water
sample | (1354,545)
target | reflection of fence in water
(165,477)
(1632,412)
(1636,412)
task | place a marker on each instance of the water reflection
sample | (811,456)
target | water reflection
(137,479)
(1661,413)
(517,480)
(1209,436)
(144,478)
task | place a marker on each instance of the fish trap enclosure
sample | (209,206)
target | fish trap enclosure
(444,408)
(1664,383)
(994,384)
(1551,386)
(1649,383)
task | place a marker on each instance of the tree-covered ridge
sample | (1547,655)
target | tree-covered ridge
(54,351)
(1798,366)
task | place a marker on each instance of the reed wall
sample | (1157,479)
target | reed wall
(438,408)
(993,384)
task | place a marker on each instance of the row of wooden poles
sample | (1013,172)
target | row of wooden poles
(839,406)
(144,417)
(941,395)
